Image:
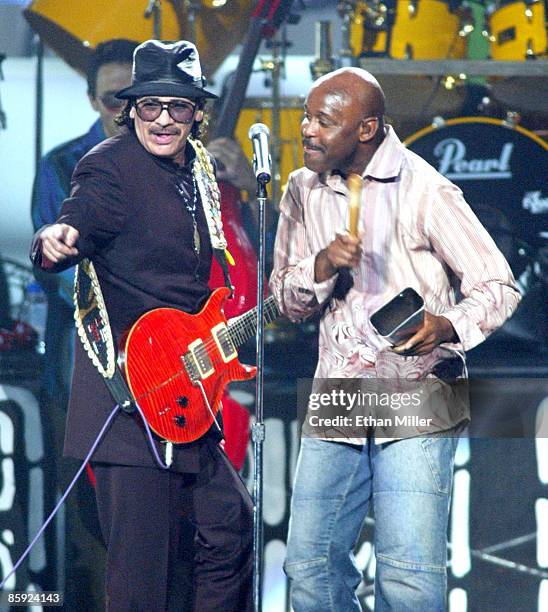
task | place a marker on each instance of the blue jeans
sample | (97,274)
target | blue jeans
(409,482)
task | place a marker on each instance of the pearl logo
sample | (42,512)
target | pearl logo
(454,164)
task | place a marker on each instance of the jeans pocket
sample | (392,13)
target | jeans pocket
(439,453)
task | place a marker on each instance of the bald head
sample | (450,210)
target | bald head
(357,84)
(343,123)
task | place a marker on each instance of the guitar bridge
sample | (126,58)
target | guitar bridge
(191,367)
(224,343)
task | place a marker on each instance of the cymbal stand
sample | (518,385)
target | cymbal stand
(275,66)
(345,9)
(39,117)
(191,7)
(154,10)
(324,61)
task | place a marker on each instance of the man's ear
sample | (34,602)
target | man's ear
(132,112)
(199,116)
(368,128)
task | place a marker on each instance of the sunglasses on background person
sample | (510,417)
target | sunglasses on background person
(110,101)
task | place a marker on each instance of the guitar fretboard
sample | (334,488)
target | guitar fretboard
(244,327)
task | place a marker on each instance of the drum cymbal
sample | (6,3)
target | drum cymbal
(73,29)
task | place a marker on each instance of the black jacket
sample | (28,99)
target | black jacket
(134,226)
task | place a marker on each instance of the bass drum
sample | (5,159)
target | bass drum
(502,172)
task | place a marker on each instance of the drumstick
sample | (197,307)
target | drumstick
(355,186)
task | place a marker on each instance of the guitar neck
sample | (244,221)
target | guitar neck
(242,328)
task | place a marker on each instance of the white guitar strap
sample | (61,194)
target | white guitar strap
(95,333)
(211,202)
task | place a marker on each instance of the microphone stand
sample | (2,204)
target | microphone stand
(39,99)
(258,428)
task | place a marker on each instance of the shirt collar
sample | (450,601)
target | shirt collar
(388,158)
(384,166)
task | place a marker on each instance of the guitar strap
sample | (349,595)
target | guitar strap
(211,202)
(95,333)
(90,312)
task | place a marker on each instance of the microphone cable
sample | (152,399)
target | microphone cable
(107,423)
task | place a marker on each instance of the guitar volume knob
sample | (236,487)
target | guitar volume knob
(182,400)
(180,420)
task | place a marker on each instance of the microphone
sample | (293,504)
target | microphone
(259,135)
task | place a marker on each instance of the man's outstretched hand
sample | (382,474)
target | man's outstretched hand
(58,242)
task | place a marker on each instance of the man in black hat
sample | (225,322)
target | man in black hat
(144,208)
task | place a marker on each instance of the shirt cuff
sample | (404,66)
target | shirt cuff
(322,291)
(37,257)
(469,333)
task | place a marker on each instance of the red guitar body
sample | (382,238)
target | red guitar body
(155,360)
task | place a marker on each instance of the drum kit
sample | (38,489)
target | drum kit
(437,29)
(393,29)
(441,30)
(517,31)
(511,201)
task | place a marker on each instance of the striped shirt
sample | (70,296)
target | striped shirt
(417,231)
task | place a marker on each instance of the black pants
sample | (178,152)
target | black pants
(163,528)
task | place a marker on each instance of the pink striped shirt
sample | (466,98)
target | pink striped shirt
(418,232)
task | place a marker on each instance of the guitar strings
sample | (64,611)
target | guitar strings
(242,322)
(239,324)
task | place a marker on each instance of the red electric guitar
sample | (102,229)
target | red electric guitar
(177,365)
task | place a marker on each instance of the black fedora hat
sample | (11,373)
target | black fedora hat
(166,69)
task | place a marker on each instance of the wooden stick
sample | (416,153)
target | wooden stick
(355,183)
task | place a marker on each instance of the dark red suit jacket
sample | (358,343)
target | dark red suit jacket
(134,226)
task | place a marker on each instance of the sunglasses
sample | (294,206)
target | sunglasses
(180,112)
